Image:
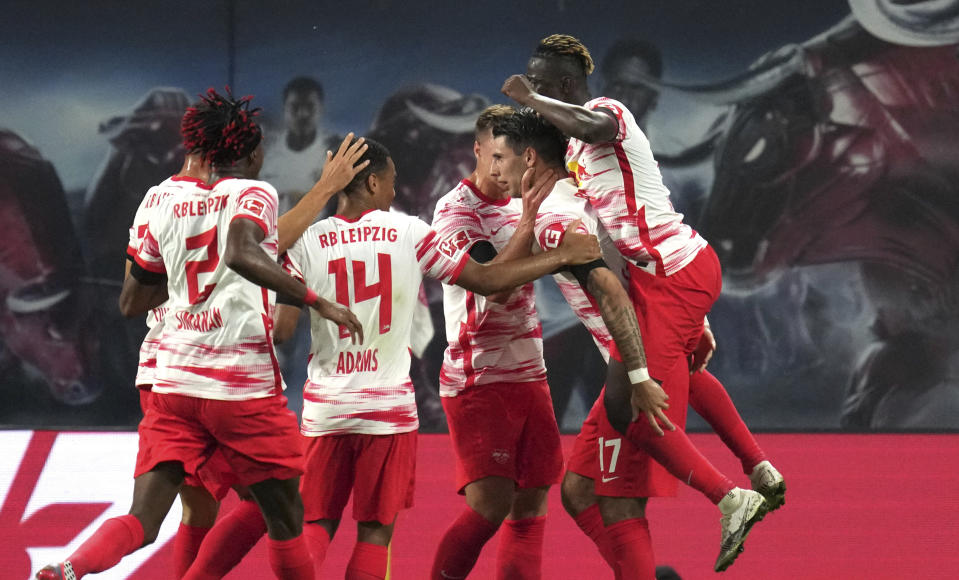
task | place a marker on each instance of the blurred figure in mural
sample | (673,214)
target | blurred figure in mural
(843,150)
(293,162)
(429,131)
(295,156)
(45,324)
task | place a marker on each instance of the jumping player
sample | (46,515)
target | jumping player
(359,407)
(674,275)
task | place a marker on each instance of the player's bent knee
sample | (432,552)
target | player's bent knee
(576,493)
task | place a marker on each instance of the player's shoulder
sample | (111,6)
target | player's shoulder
(460,195)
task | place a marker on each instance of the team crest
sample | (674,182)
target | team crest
(453,244)
(551,237)
(500,456)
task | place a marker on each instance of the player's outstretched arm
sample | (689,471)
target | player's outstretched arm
(339,170)
(647,398)
(488,278)
(573,120)
(245,256)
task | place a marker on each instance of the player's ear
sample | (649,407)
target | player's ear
(476,149)
(530,156)
(371,183)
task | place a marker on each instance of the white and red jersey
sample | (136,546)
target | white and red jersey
(488,342)
(175,185)
(374,265)
(216,341)
(563,205)
(623,184)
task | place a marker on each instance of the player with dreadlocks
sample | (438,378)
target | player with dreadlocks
(674,279)
(216,384)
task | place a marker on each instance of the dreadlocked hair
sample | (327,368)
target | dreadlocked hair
(221,128)
(564,45)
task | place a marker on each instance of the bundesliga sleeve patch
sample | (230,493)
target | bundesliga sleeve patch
(255,207)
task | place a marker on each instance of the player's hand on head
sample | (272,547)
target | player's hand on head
(579,248)
(535,188)
(518,88)
(704,351)
(342,316)
(341,168)
(649,399)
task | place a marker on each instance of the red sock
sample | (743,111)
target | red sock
(521,549)
(114,539)
(461,545)
(679,456)
(228,542)
(318,541)
(591,522)
(369,562)
(290,559)
(633,549)
(186,544)
(709,398)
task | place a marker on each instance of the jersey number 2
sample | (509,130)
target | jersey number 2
(362,290)
(194,268)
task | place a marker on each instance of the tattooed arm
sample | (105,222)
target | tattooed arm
(647,397)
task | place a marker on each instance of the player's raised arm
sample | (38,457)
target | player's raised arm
(591,126)
(489,278)
(337,173)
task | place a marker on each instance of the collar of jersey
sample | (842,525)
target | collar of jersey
(195,180)
(483,197)
(356,219)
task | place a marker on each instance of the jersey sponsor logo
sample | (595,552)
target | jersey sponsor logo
(609,479)
(552,236)
(452,245)
(500,456)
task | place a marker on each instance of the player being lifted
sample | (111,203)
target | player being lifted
(674,278)
(359,408)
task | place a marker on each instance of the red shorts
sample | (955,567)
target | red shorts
(617,467)
(506,430)
(215,476)
(671,309)
(378,469)
(258,438)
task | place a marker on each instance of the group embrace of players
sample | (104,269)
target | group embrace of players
(564,185)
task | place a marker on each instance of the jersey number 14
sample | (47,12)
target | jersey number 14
(362,290)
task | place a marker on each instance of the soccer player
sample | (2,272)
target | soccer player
(359,407)
(527,143)
(217,384)
(674,275)
(200,496)
(493,382)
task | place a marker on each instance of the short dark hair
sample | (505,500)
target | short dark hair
(378,156)
(569,49)
(221,128)
(626,48)
(527,128)
(304,85)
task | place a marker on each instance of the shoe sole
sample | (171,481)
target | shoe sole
(725,562)
(775,496)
